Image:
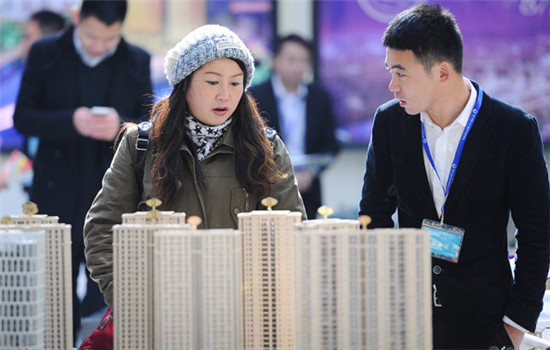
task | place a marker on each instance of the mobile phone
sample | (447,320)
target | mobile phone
(100,110)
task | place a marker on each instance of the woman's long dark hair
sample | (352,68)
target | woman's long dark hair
(254,164)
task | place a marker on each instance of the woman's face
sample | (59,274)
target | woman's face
(215,91)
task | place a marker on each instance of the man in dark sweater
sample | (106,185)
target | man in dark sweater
(88,65)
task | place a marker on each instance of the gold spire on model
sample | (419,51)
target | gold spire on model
(365,220)
(269,202)
(154,213)
(6,221)
(325,211)
(30,208)
(194,221)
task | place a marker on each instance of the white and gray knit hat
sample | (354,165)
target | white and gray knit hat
(203,45)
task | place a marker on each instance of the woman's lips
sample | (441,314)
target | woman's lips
(220,111)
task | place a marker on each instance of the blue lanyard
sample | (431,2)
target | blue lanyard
(459,149)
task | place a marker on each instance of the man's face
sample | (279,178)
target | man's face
(32,33)
(97,38)
(291,63)
(415,89)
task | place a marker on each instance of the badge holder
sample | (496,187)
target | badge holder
(445,240)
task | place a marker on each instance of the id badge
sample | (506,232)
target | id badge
(445,240)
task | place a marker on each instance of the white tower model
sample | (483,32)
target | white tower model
(22,262)
(398,289)
(133,276)
(359,289)
(58,298)
(330,269)
(197,289)
(268,279)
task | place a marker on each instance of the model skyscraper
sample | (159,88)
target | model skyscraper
(22,263)
(197,289)
(398,289)
(330,268)
(359,289)
(133,275)
(269,318)
(57,297)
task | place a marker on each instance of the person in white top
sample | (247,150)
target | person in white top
(457,162)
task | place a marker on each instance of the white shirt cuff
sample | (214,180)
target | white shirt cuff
(507,320)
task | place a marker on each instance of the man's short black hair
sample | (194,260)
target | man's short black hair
(48,21)
(107,11)
(430,32)
(291,38)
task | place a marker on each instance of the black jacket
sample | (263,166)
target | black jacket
(48,97)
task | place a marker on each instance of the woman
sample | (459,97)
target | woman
(209,153)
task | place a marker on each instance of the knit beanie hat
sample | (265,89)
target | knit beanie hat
(203,45)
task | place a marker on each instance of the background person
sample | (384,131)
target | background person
(300,112)
(501,170)
(41,23)
(88,65)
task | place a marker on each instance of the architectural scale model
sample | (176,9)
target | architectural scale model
(269,318)
(330,269)
(279,283)
(359,289)
(57,297)
(133,275)
(197,289)
(398,296)
(22,265)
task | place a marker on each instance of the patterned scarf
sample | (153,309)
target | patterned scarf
(205,137)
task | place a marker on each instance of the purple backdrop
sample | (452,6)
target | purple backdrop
(506,49)
(252,20)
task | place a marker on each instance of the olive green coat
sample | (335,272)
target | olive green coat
(217,207)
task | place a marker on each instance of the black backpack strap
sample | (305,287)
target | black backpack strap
(142,144)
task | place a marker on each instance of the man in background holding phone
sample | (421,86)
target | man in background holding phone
(87,65)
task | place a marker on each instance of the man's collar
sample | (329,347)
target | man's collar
(463,117)
(280,91)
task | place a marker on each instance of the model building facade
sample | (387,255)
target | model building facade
(329,280)
(197,289)
(398,289)
(22,264)
(269,318)
(359,289)
(133,277)
(58,300)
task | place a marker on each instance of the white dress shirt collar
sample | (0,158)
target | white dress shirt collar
(281,92)
(463,117)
